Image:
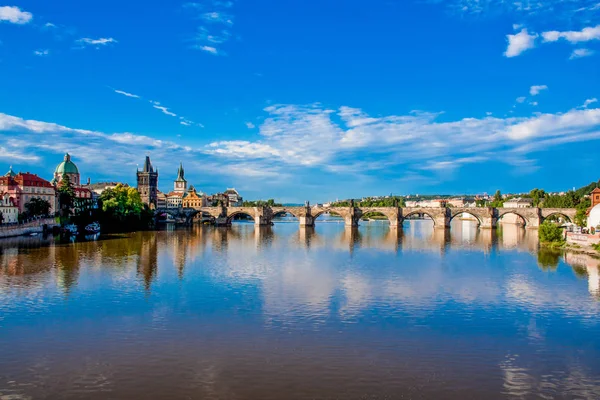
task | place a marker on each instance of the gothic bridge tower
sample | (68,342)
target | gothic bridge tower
(147,184)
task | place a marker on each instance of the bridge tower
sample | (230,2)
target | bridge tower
(147,184)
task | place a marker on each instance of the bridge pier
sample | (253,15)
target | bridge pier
(307,220)
(488,223)
(441,221)
(222,221)
(534,222)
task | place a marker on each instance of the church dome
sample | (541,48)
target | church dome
(66,167)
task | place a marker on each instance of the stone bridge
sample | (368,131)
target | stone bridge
(486,217)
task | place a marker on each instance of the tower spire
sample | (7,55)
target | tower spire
(180,172)
(147,165)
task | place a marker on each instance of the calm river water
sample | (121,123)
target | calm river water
(289,313)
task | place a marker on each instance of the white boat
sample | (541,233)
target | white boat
(93,228)
(71,229)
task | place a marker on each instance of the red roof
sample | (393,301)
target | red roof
(82,192)
(597,190)
(25,179)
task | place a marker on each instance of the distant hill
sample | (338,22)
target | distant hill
(582,191)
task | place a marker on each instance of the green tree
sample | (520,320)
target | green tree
(581,215)
(37,206)
(122,209)
(498,200)
(66,196)
(122,201)
(548,259)
(537,196)
(550,233)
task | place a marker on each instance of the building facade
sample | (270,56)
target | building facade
(147,184)
(23,187)
(161,200)
(518,203)
(193,199)
(593,213)
(174,200)
(234,198)
(8,209)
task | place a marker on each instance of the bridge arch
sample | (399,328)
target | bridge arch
(418,212)
(501,214)
(317,213)
(232,215)
(461,212)
(557,214)
(284,212)
(391,215)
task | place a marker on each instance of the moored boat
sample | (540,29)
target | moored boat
(93,228)
(70,229)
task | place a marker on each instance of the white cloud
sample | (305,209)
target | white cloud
(536,89)
(14,15)
(250,125)
(534,103)
(41,53)
(584,35)
(96,42)
(532,9)
(135,96)
(588,102)
(217,17)
(580,53)
(209,49)
(292,134)
(216,24)
(165,110)
(340,141)
(155,104)
(555,125)
(10,155)
(520,42)
(521,99)
(49,25)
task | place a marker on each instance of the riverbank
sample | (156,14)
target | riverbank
(29,228)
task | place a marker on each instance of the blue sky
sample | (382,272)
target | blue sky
(309,100)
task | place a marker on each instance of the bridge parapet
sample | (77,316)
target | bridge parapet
(487,217)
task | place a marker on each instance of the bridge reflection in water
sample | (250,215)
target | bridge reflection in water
(280,312)
(24,256)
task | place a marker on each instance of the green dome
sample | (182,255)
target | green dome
(67,166)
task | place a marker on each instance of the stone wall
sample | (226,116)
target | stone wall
(26,229)
(583,239)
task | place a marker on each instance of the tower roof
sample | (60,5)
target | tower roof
(10,173)
(148,165)
(180,174)
(67,166)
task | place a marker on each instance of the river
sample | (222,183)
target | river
(284,312)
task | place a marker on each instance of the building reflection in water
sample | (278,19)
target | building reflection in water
(483,309)
(23,256)
(586,265)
